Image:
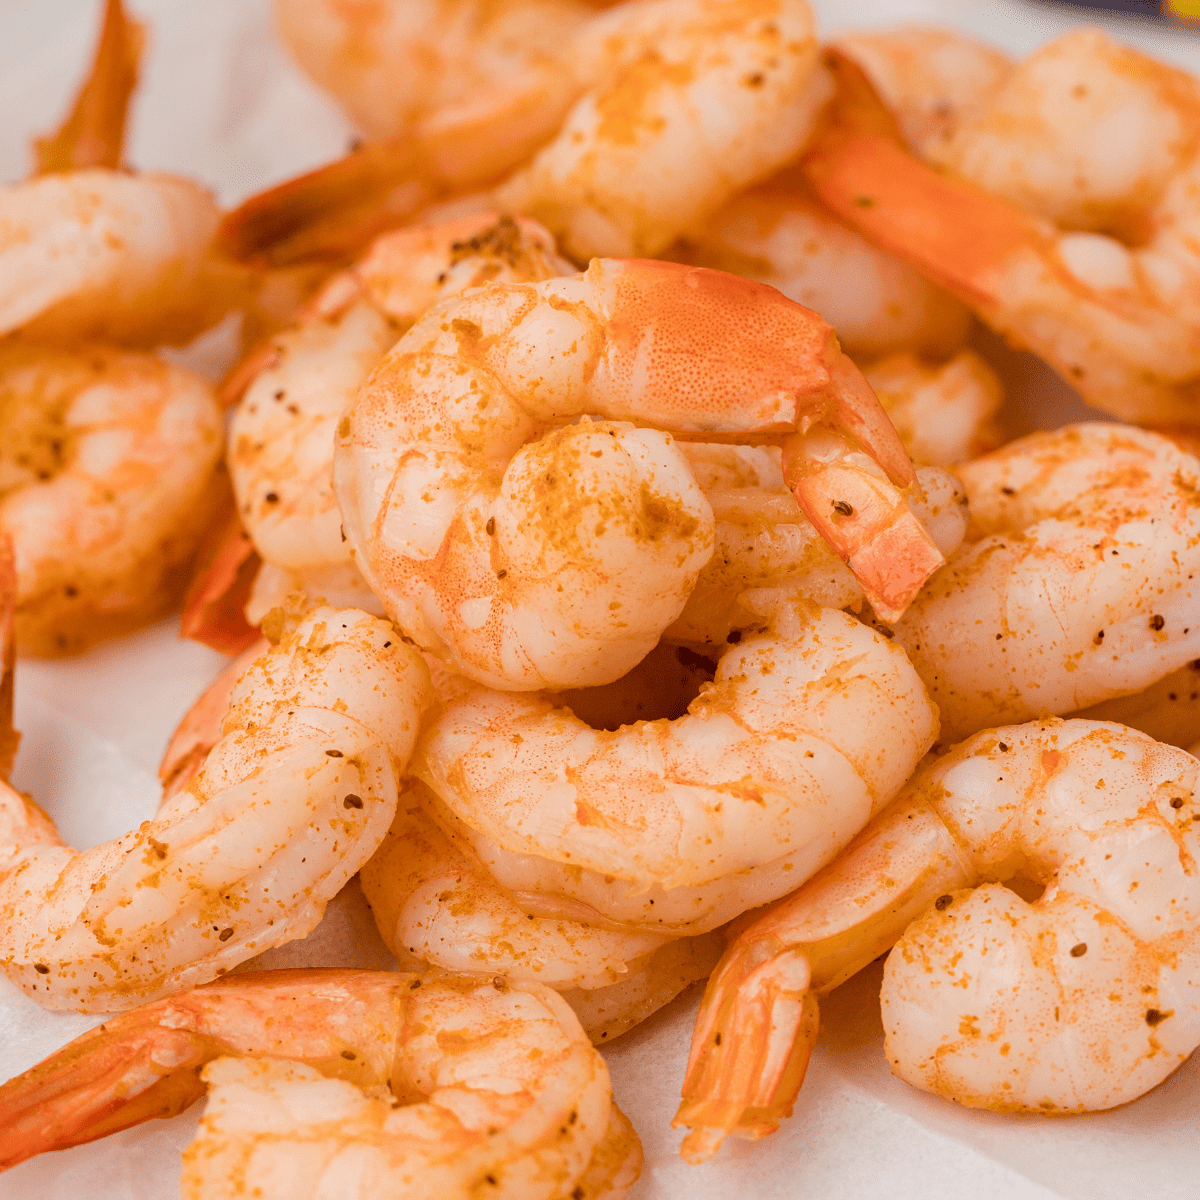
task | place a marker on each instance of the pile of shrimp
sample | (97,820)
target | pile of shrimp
(630,579)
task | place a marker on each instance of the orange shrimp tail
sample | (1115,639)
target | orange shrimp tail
(750,1049)
(93,135)
(951,231)
(9,737)
(111,1078)
(215,602)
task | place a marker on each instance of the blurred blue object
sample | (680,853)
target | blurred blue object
(1149,8)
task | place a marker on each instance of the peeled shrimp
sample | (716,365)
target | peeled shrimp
(433,900)
(290,803)
(674,827)
(559,562)
(690,102)
(1079,580)
(779,233)
(1169,710)
(282,433)
(1085,256)
(1083,999)
(107,463)
(377,1084)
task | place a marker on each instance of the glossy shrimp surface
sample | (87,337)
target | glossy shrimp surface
(294,797)
(1081,999)
(379,1083)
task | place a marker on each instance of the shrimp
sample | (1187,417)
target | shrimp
(1083,999)
(675,827)
(763,540)
(377,1080)
(412,67)
(292,800)
(107,465)
(1079,580)
(559,562)
(1086,259)
(944,413)
(779,233)
(433,900)
(932,79)
(691,101)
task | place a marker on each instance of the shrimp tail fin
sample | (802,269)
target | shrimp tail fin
(9,737)
(226,565)
(118,1075)
(93,135)
(750,1049)
(861,512)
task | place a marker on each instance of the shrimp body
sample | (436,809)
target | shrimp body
(291,801)
(107,463)
(779,233)
(107,255)
(690,102)
(1079,580)
(377,1084)
(1081,255)
(676,826)
(282,433)
(558,562)
(1082,999)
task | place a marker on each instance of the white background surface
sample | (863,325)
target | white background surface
(220,101)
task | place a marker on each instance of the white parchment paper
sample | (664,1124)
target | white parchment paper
(220,101)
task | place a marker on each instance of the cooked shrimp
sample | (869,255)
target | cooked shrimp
(291,802)
(1085,256)
(674,827)
(377,1080)
(410,67)
(107,463)
(559,562)
(944,413)
(932,79)
(764,540)
(1079,580)
(779,233)
(1169,710)
(691,101)
(433,900)
(1084,999)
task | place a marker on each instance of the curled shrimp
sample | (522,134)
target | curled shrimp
(282,432)
(1079,579)
(1087,260)
(1082,999)
(107,465)
(675,826)
(559,562)
(376,1079)
(1169,710)
(691,101)
(433,900)
(291,801)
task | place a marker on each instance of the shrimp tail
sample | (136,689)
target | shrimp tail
(753,1038)
(120,1074)
(93,135)
(9,737)
(226,564)
(863,515)
(951,231)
